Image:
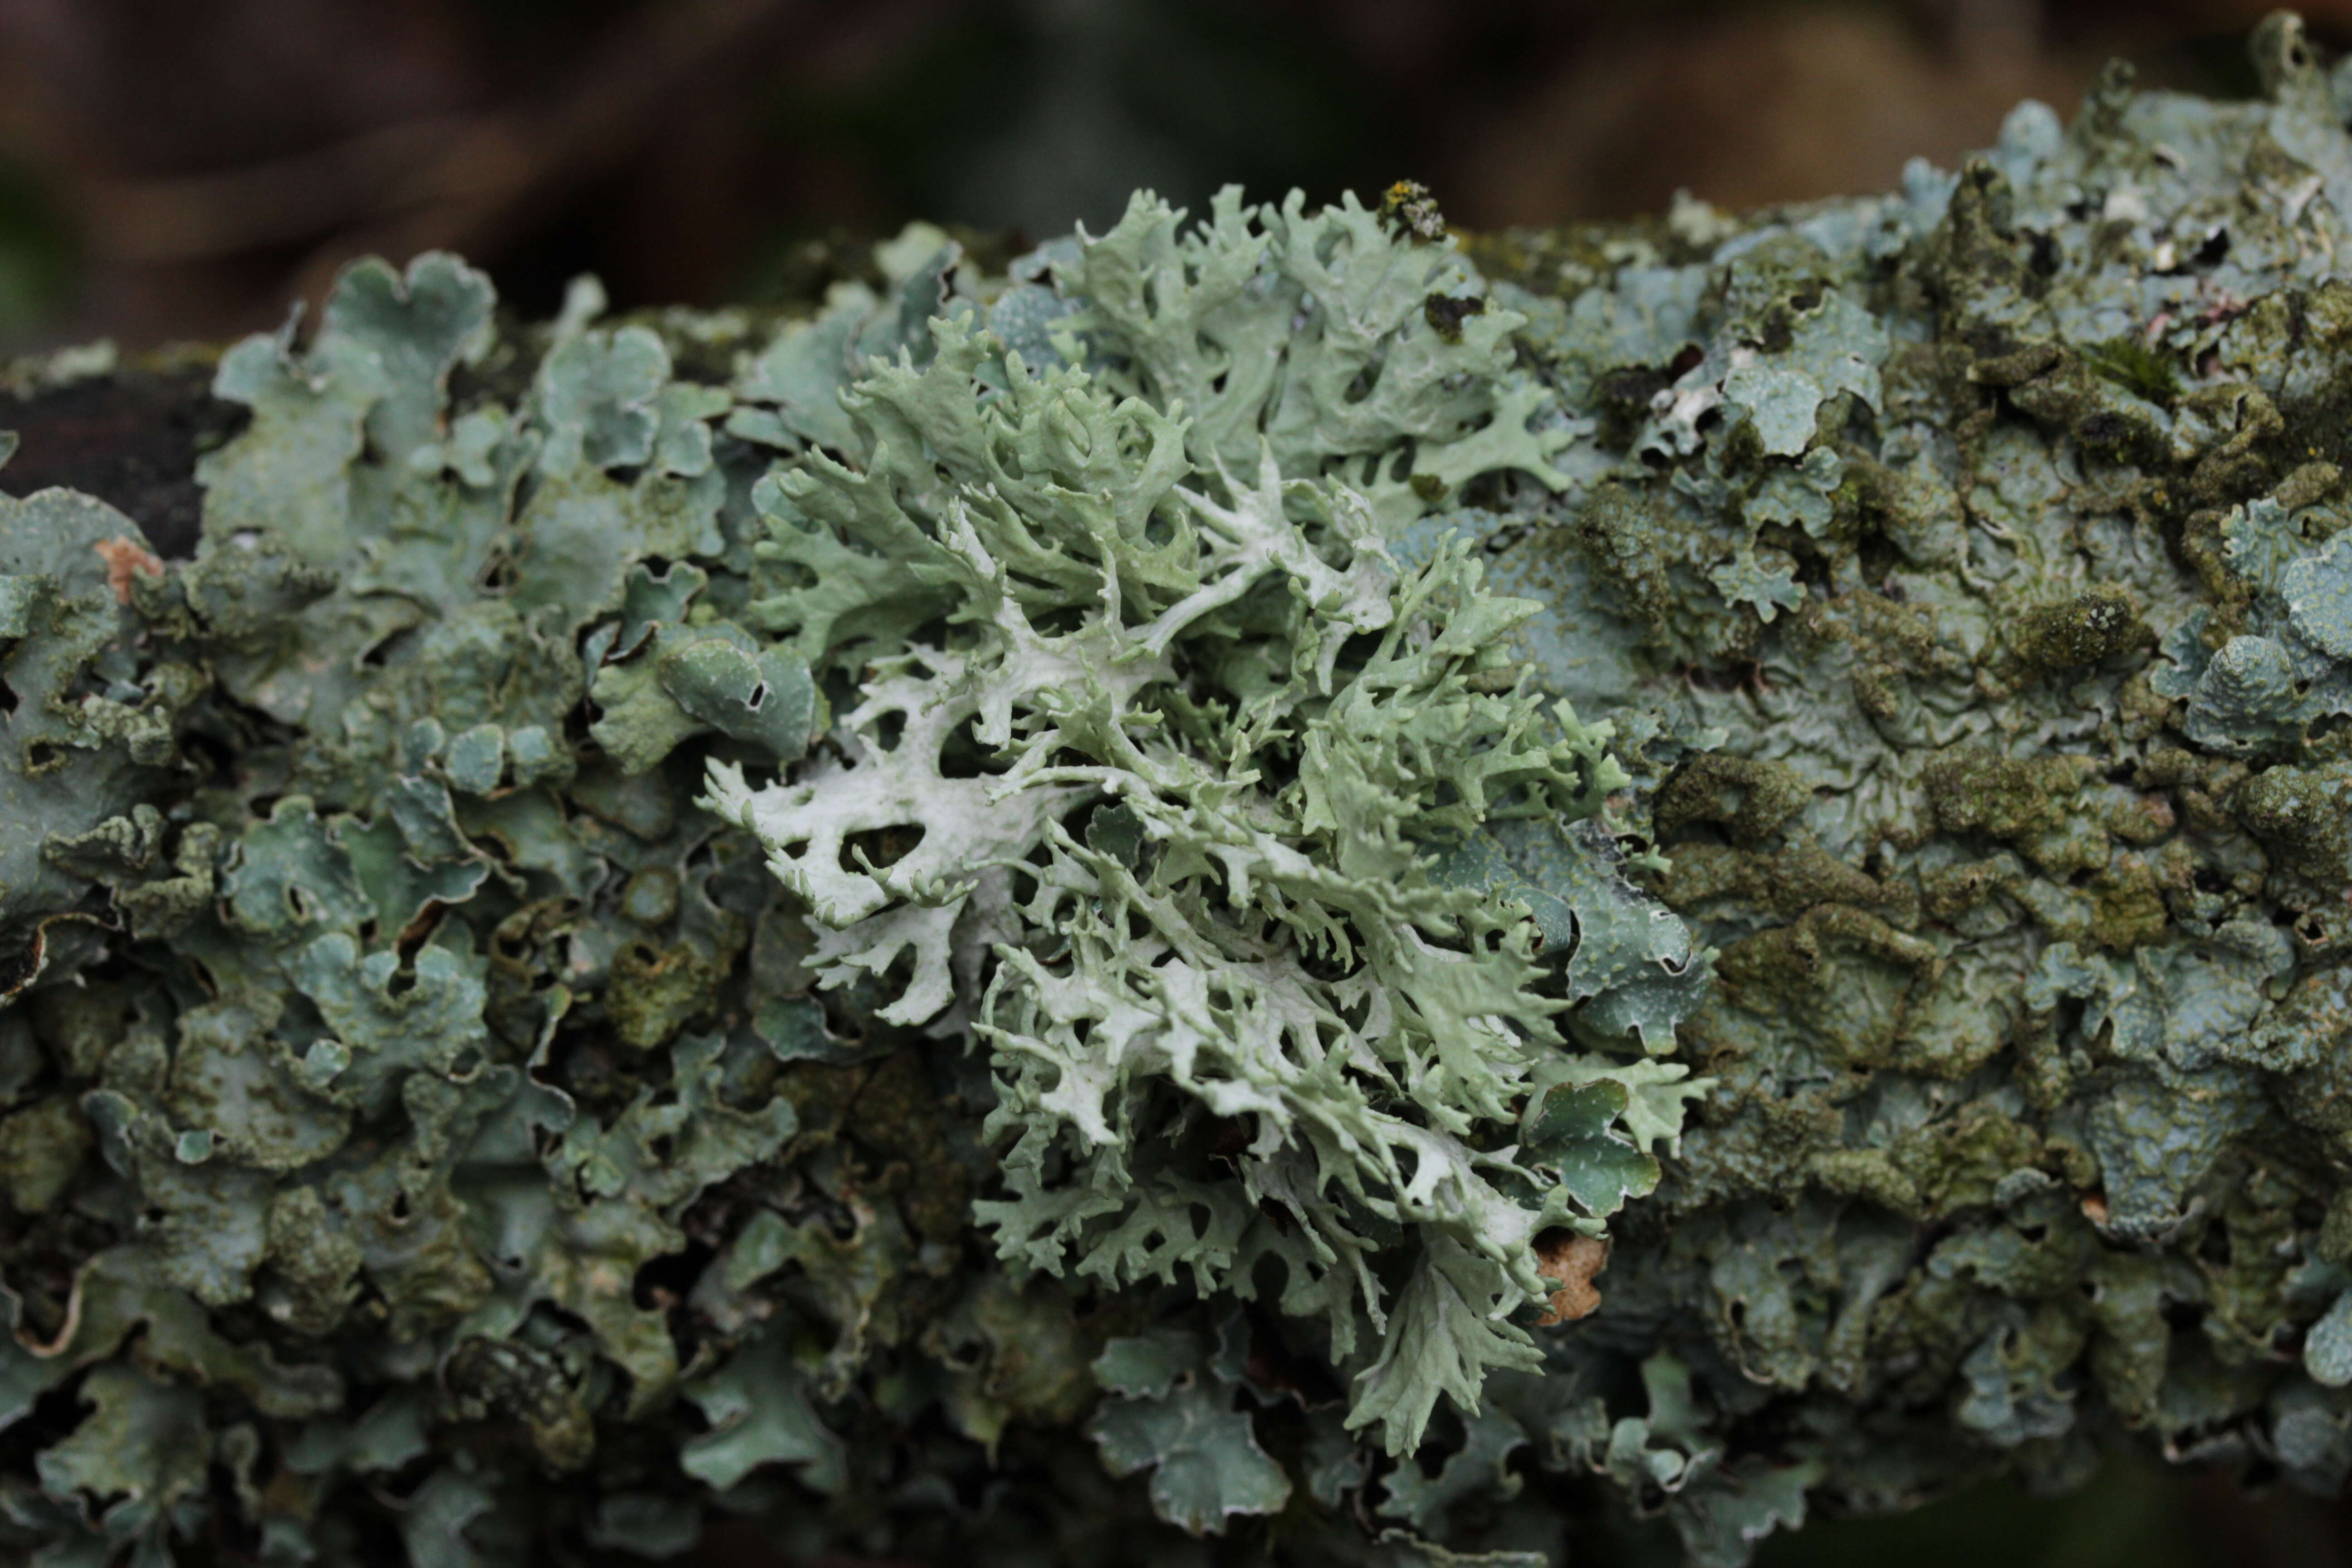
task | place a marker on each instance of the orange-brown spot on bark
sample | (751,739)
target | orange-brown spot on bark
(2094,1208)
(125,557)
(1572,1260)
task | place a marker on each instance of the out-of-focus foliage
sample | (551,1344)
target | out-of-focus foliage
(1050,914)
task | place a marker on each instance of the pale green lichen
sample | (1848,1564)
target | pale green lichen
(1227,748)
(1163,804)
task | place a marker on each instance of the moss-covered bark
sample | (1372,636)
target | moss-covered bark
(1723,884)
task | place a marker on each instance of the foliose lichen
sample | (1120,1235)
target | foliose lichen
(1242,883)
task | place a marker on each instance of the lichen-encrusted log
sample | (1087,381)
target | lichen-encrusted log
(1273,879)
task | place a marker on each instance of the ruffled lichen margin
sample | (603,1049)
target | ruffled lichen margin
(1261,877)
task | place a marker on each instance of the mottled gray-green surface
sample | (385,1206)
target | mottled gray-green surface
(1051,916)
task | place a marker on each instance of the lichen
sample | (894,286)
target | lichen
(1241,878)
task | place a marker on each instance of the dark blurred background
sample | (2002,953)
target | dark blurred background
(180,169)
